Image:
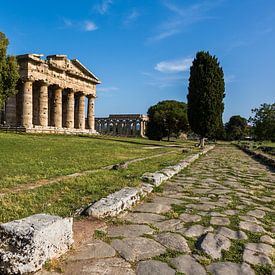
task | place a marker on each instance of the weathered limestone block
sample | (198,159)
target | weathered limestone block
(25,245)
(115,203)
(169,172)
(154,178)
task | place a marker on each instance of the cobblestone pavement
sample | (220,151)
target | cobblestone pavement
(216,217)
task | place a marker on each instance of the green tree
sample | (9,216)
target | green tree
(205,96)
(263,122)
(236,128)
(166,118)
(9,71)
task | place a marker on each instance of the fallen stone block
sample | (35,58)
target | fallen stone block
(115,203)
(26,244)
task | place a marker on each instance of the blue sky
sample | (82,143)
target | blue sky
(142,49)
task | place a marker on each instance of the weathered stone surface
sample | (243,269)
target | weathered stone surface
(108,266)
(130,230)
(260,248)
(154,178)
(136,249)
(256,213)
(189,218)
(157,208)
(231,234)
(173,241)
(188,265)
(213,244)
(115,203)
(229,268)
(231,212)
(267,239)
(196,230)
(219,221)
(169,225)
(93,250)
(152,267)
(253,257)
(252,227)
(201,206)
(140,218)
(169,172)
(25,245)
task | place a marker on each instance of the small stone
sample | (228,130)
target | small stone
(256,213)
(196,230)
(136,249)
(140,218)
(153,208)
(252,227)
(153,267)
(255,258)
(169,225)
(92,250)
(213,244)
(267,239)
(233,235)
(189,218)
(173,241)
(230,269)
(130,230)
(187,265)
(219,221)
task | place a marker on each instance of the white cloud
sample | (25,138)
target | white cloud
(104,6)
(131,17)
(89,26)
(107,89)
(175,66)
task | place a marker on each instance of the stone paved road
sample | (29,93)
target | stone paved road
(216,217)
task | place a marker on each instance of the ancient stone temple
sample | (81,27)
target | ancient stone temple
(122,125)
(55,96)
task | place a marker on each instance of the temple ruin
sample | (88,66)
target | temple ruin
(52,96)
(132,125)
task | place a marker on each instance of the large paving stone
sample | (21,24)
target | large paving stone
(219,221)
(260,248)
(136,249)
(256,213)
(228,268)
(252,227)
(141,218)
(255,258)
(25,245)
(153,267)
(187,265)
(231,234)
(109,266)
(196,230)
(213,244)
(157,208)
(267,239)
(173,241)
(189,218)
(129,230)
(92,250)
(169,225)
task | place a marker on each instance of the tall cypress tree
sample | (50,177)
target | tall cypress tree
(9,71)
(205,96)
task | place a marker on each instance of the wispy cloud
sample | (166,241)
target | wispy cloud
(132,17)
(87,25)
(103,6)
(228,79)
(174,66)
(107,89)
(90,26)
(183,16)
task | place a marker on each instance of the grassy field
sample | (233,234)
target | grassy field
(26,158)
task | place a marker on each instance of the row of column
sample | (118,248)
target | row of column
(27,112)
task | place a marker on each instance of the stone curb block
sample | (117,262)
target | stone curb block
(124,199)
(26,244)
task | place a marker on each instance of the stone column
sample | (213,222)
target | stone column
(91,116)
(27,104)
(11,111)
(43,105)
(57,115)
(81,112)
(70,110)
